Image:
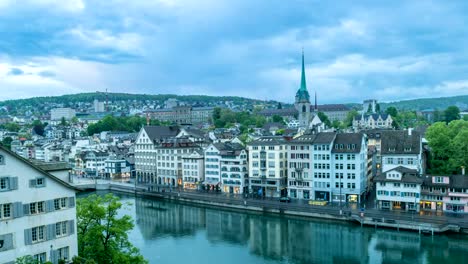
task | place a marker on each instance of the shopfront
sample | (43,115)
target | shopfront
(190,185)
(353,198)
(456,208)
(322,196)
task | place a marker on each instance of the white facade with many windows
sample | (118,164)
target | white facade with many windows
(37,213)
(268,166)
(193,170)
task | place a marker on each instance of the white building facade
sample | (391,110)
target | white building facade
(37,213)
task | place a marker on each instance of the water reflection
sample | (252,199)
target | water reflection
(285,240)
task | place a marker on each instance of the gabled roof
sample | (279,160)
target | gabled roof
(37,168)
(407,176)
(400,142)
(268,141)
(319,138)
(156,133)
(347,143)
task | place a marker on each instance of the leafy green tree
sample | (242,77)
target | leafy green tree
(280,106)
(102,235)
(377,108)
(277,119)
(28,259)
(369,109)
(451,113)
(324,118)
(7,142)
(12,127)
(392,111)
(336,124)
(74,120)
(350,117)
(38,127)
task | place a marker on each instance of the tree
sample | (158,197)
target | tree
(12,127)
(451,113)
(280,106)
(336,124)
(28,259)
(324,119)
(7,142)
(102,235)
(377,108)
(63,121)
(369,109)
(74,120)
(392,111)
(277,119)
(350,117)
(38,127)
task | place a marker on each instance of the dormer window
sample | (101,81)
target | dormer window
(407,149)
(391,149)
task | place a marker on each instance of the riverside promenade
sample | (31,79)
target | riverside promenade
(424,222)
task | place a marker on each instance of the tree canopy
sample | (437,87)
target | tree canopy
(451,113)
(227,118)
(449,146)
(102,235)
(130,124)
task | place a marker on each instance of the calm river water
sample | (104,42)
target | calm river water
(172,233)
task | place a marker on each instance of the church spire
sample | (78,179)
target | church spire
(316,106)
(302,95)
(303,78)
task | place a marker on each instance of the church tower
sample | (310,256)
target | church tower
(302,103)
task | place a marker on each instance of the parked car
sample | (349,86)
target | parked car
(285,200)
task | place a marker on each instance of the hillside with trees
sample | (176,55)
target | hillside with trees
(429,103)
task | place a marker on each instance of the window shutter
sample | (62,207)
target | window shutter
(71,228)
(7,242)
(17,209)
(49,206)
(32,183)
(13,183)
(71,202)
(26,209)
(28,236)
(50,231)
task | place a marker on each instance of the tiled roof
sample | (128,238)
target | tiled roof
(156,133)
(268,141)
(400,142)
(408,176)
(347,143)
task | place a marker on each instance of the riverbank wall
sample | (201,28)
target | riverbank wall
(273,207)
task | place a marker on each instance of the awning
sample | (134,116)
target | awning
(211,182)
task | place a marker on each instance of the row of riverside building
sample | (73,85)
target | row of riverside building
(325,166)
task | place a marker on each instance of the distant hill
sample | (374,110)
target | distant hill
(430,103)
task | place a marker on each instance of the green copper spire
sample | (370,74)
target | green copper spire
(303,78)
(302,94)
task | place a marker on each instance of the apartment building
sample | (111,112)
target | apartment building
(37,212)
(268,166)
(399,189)
(193,169)
(402,148)
(145,151)
(445,193)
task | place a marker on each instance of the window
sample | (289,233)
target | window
(60,203)
(5,211)
(61,228)
(62,253)
(4,184)
(389,160)
(410,161)
(2,160)
(400,160)
(40,258)
(38,233)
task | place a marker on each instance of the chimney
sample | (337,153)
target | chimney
(410,131)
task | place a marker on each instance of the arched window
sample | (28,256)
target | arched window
(303,109)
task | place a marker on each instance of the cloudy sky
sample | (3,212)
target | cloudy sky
(252,48)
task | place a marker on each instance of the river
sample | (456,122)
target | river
(172,233)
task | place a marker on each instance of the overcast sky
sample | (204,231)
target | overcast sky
(252,48)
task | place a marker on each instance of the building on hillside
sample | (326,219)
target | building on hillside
(193,169)
(117,168)
(59,113)
(145,151)
(37,212)
(402,148)
(372,121)
(445,193)
(398,189)
(183,114)
(268,166)
(91,163)
(98,106)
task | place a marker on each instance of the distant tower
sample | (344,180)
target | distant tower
(107,102)
(302,102)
